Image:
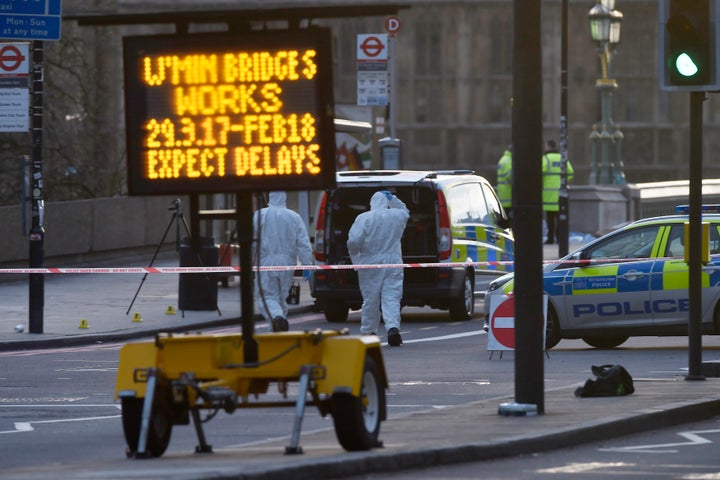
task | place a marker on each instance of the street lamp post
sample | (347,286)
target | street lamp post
(606,162)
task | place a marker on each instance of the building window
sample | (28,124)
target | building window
(501,53)
(428,37)
(428,101)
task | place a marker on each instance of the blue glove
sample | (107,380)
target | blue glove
(307,274)
(387,194)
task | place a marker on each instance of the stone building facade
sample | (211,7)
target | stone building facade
(455,83)
(454,87)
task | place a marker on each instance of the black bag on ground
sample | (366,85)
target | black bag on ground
(293,297)
(610,381)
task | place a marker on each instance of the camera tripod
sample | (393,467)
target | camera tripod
(179,220)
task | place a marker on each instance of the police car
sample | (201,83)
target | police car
(455,218)
(631,282)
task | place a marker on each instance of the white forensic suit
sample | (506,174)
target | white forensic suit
(283,241)
(374,238)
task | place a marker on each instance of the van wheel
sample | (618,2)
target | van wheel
(335,312)
(462,307)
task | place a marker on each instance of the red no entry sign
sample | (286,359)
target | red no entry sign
(372,47)
(14,59)
(501,332)
(502,323)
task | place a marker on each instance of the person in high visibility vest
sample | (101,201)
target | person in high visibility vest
(551,171)
(504,180)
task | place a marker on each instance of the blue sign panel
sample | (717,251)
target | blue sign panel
(30,19)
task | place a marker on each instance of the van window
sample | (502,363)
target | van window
(493,205)
(467,204)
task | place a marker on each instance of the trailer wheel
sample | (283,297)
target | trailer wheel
(158,433)
(357,419)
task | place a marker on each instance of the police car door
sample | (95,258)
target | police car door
(613,291)
(670,278)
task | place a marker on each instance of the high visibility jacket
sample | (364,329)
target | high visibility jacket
(551,164)
(504,179)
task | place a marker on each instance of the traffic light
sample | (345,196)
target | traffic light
(688,45)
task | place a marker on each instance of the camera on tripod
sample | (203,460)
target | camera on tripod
(195,291)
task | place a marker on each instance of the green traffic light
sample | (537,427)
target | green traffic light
(685,65)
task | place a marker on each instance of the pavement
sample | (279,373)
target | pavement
(82,309)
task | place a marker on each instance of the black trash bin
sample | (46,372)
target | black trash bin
(198,291)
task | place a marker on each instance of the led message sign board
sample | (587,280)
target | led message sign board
(212,113)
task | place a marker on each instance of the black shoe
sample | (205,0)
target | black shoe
(394,338)
(550,242)
(279,324)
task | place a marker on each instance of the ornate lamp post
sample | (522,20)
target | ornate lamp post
(606,163)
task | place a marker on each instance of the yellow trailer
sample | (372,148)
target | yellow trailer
(174,378)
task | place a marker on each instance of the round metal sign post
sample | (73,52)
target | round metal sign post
(392,26)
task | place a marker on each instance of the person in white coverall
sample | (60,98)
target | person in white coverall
(283,241)
(374,238)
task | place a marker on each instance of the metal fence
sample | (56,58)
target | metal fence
(661,198)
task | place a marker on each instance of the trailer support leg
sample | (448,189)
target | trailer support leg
(203,446)
(146,413)
(295,448)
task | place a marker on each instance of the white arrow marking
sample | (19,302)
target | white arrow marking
(23,427)
(694,438)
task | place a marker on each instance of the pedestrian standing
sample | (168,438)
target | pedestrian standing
(375,238)
(284,240)
(504,180)
(551,178)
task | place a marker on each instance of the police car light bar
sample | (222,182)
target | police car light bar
(714,208)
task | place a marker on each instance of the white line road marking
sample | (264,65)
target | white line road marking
(419,340)
(584,467)
(446,337)
(87,369)
(28,426)
(694,438)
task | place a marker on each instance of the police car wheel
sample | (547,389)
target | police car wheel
(605,342)
(552,329)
